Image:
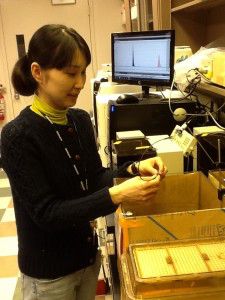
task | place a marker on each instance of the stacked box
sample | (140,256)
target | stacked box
(186,207)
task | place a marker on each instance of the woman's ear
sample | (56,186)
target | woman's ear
(36,72)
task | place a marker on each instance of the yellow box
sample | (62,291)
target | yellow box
(217,177)
(218,72)
(187,269)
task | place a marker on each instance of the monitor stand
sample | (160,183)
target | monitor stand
(147,95)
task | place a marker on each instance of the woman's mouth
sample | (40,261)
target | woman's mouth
(73,95)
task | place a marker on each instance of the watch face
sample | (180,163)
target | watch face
(134,169)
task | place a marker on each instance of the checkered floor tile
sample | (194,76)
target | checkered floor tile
(9,272)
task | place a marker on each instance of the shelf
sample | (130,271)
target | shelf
(197,4)
(210,89)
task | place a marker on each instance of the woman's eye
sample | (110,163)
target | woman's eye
(71,74)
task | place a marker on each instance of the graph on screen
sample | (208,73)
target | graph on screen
(143,57)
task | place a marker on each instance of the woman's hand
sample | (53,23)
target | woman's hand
(135,189)
(152,166)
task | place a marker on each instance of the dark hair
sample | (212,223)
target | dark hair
(51,46)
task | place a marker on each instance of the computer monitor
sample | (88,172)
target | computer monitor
(145,58)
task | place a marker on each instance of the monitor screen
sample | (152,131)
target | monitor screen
(145,58)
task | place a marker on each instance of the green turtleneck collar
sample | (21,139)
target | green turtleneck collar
(55,115)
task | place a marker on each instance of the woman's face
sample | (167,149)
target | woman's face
(60,88)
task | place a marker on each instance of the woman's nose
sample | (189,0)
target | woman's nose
(79,82)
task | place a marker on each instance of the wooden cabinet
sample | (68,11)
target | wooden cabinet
(197,23)
(161,10)
(137,15)
(141,15)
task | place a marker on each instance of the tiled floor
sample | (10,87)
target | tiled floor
(9,272)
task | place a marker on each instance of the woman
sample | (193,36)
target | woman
(58,183)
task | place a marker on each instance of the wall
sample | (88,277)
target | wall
(4,80)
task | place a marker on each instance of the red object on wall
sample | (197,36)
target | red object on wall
(2,108)
(102,288)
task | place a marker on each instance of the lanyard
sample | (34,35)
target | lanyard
(84,185)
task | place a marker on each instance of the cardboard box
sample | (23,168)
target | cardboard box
(186,207)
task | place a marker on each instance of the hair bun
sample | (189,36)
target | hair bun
(22,80)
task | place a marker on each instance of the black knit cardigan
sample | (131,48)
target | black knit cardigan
(52,211)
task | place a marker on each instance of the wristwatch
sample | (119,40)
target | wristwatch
(134,168)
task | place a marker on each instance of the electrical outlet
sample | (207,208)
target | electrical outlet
(184,139)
